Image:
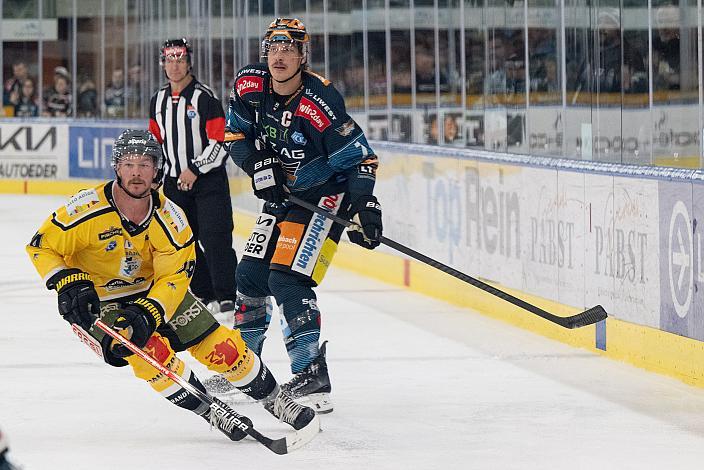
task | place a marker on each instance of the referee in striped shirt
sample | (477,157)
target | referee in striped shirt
(189,122)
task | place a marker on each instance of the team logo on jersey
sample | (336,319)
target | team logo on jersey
(81,202)
(310,111)
(224,353)
(299,138)
(114,284)
(173,216)
(346,129)
(109,233)
(157,348)
(188,268)
(249,84)
(111,246)
(36,240)
(191,112)
(130,266)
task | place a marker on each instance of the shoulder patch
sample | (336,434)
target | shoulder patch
(173,216)
(82,202)
(83,206)
(249,84)
(346,129)
(307,109)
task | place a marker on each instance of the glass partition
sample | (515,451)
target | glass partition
(603,80)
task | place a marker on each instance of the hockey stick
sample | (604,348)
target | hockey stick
(279,446)
(587,317)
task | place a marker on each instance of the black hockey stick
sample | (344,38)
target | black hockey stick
(279,446)
(587,317)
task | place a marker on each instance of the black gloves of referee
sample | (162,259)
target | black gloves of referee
(365,212)
(268,177)
(78,301)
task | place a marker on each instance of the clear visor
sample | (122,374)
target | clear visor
(286,47)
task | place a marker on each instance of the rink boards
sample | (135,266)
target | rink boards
(564,235)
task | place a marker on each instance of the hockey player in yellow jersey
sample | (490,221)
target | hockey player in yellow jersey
(124,253)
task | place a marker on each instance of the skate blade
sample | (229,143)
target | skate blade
(320,402)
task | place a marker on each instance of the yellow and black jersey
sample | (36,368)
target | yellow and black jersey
(155,258)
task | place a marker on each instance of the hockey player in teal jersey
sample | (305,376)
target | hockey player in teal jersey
(288,129)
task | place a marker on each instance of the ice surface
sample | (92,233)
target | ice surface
(417,384)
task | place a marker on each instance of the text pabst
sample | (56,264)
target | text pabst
(310,244)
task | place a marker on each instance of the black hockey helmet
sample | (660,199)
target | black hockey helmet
(138,142)
(290,30)
(175,49)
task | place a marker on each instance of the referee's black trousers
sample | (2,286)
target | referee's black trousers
(209,211)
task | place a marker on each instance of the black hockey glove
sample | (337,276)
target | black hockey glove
(268,177)
(366,213)
(140,319)
(78,301)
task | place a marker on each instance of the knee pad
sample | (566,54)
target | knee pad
(251,277)
(225,352)
(252,317)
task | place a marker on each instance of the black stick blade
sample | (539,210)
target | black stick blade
(588,317)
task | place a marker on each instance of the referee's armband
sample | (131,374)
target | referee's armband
(234,136)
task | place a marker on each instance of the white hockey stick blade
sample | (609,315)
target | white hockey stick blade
(304,435)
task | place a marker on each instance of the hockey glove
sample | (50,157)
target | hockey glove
(138,321)
(366,214)
(268,177)
(78,301)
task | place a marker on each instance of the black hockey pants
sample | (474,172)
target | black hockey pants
(209,211)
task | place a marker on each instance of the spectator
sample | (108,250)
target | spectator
(87,102)
(609,71)
(425,71)
(135,92)
(27,104)
(496,81)
(58,99)
(450,130)
(13,87)
(666,43)
(115,95)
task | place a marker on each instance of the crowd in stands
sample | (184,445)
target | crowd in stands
(120,99)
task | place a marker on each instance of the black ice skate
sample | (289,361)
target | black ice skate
(288,411)
(312,385)
(226,420)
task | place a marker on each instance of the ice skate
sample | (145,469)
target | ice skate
(226,420)
(312,385)
(286,410)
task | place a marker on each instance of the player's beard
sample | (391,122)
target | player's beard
(143,194)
